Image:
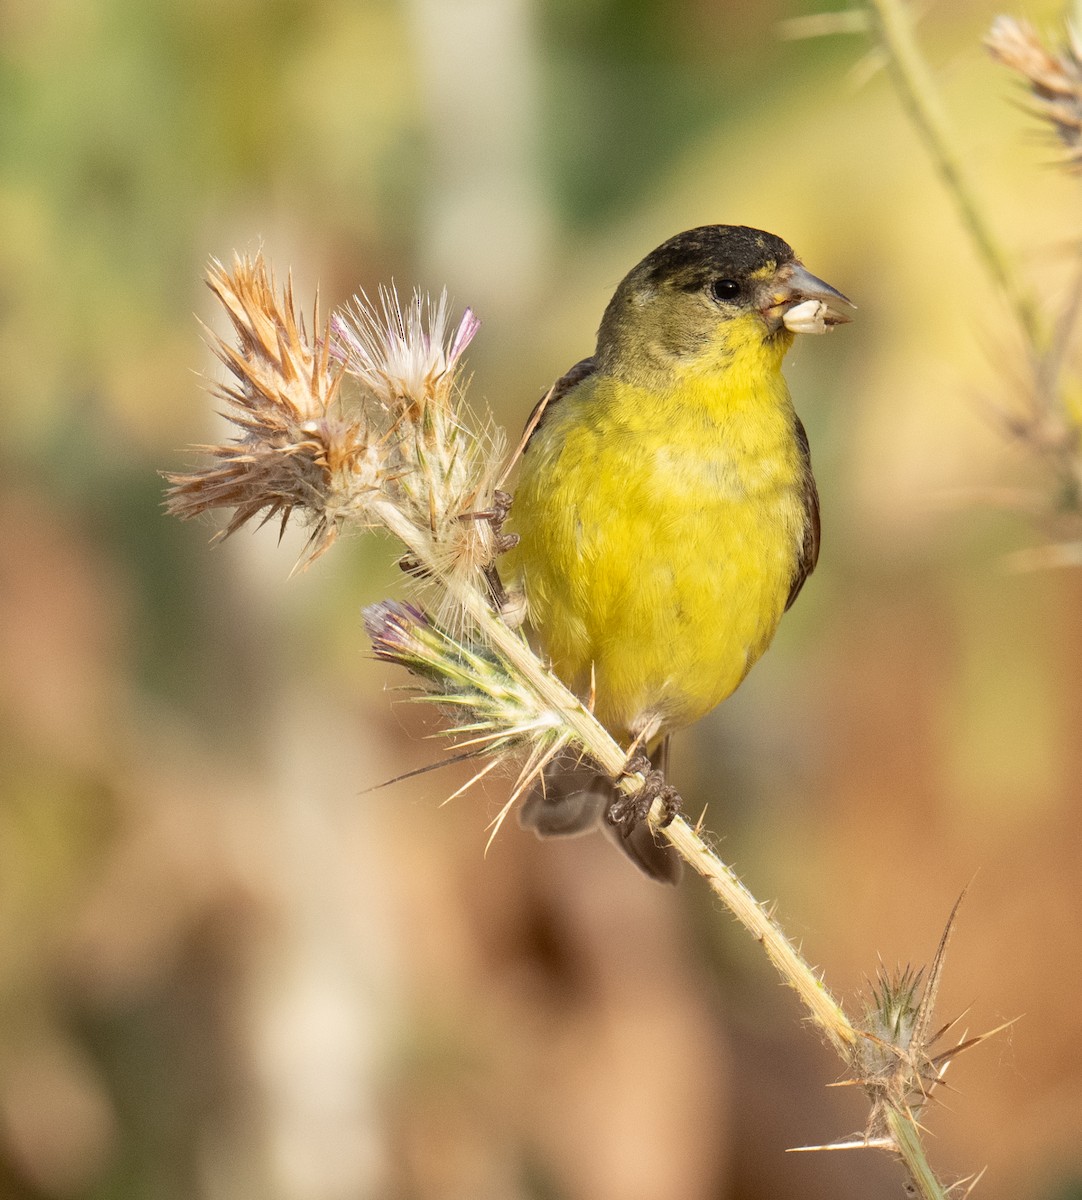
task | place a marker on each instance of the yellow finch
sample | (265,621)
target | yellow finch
(666,510)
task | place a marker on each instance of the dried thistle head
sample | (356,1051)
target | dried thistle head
(1054,79)
(391,449)
(296,448)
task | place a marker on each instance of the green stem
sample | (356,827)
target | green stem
(918,93)
(903,1129)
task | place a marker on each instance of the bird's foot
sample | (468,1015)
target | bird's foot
(495,516)
(627,811)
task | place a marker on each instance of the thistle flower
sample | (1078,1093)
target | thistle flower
(403,357)
(406,363)
(1055,79)
(496,712)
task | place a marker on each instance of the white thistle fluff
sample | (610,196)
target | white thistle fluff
(402,353)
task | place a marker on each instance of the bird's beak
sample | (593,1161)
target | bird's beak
(801,302)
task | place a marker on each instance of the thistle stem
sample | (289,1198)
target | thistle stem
(824,1010)
(822,1007)
(903,1129)
(919,95)
(595,739)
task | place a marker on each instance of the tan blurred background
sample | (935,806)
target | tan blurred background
(226,969)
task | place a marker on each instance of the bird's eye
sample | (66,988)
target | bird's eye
(725,289)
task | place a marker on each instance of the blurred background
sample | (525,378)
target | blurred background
(227,969)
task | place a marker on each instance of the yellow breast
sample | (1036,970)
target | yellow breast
(660,532)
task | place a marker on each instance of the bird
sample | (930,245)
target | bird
(665,510)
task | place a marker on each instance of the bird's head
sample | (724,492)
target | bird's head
(705,294)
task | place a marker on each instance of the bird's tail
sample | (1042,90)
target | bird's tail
(571,798)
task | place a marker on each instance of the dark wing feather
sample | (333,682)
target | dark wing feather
(809,553)
(556,393)
(573,798)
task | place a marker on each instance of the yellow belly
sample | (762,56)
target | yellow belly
(659,538)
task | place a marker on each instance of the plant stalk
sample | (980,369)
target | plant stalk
(822,1007)
(903,1128)
(595,739)
(920,97)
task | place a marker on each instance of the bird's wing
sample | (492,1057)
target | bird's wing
(572,798)
(556,393)
(809,553)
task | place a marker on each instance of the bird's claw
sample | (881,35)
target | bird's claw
(495,517)
(501,506)
(411,565)
(627,811)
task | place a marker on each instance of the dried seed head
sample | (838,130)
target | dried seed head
(296,450)
(1054,79)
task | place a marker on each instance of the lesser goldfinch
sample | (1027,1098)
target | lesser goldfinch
(666,510)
